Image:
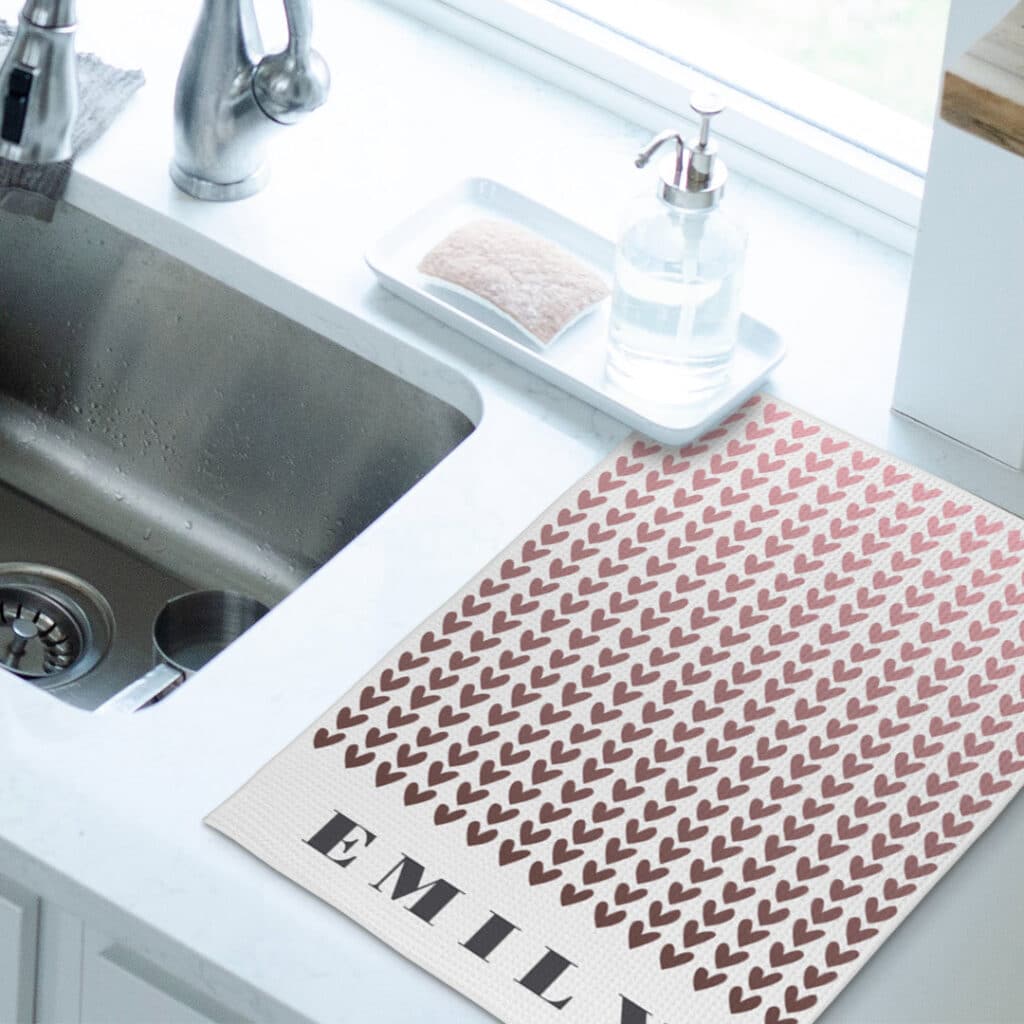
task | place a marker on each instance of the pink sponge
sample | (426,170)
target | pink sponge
(529,280)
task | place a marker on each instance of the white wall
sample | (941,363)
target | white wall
(962,361)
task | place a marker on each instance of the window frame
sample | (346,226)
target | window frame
(765,143)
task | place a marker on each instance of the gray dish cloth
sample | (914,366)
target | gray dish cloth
(34,189)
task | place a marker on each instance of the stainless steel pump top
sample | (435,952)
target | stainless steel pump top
(695,179)
(230,97)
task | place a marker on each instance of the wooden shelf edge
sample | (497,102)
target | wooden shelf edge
(983,93)
(988,115)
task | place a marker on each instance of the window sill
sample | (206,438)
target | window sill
(842,180)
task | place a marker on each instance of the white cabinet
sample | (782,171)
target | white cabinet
(121,987)
(58,966)
(55,969)
(19,923)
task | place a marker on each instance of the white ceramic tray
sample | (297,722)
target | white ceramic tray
(575,361)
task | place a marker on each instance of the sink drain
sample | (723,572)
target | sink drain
(54,627)
(40,635)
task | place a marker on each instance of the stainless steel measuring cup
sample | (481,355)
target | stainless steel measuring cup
(190,631)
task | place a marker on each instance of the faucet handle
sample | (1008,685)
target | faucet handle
(290,84)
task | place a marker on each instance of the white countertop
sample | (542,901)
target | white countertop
(104,815)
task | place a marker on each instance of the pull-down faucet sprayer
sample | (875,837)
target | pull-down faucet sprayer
(39,85)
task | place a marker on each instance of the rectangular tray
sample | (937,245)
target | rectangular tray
(575,361)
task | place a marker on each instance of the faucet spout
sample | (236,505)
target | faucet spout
(230,97)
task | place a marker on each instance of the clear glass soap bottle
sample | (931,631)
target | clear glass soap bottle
(678,276)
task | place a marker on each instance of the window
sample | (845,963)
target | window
(831,101)
(864,70)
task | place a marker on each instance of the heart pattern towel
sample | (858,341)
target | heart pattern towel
(688,750)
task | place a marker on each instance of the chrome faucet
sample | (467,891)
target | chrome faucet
(229,99)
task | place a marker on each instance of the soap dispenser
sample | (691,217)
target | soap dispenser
(678,276)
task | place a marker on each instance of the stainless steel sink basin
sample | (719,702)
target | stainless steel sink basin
(160,431)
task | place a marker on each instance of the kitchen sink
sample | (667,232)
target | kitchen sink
(161,432)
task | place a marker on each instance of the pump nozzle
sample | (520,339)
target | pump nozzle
(702,149)
(695,179)
(645,154)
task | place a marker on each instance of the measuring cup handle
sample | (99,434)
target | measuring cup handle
(150,688)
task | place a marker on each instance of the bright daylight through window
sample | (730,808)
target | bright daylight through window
(867,71)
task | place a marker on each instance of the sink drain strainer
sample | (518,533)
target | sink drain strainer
(54,627)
